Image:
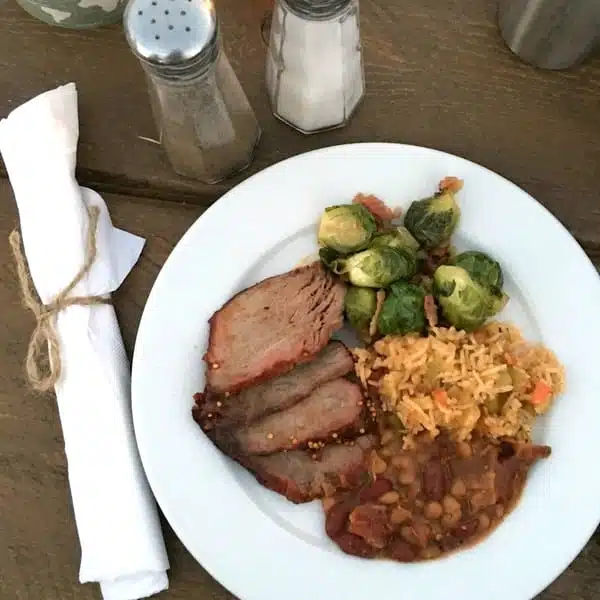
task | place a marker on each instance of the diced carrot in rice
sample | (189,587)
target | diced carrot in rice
(541,393)
(440,396)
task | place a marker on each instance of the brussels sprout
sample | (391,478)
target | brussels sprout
(360,305)
(399,237)
(328,256)
(464,302)
(483,269)
(376,267)
(403,310)
(346,228)
(432,221)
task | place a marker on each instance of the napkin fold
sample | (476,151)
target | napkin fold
(117,521)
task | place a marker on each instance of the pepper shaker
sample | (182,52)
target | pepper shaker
(207,126)
(314,72)
(550,34)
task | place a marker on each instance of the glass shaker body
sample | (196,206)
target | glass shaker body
(207,126)
(205,122)
(314,71)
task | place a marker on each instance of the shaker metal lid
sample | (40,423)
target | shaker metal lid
(317,9)
(172,33)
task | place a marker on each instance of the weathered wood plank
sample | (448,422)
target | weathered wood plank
(39,556)
(438,75)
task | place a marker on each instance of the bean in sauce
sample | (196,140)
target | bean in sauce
(435,498)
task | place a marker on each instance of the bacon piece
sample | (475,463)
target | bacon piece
(452,184)
(431,313)
(377,207)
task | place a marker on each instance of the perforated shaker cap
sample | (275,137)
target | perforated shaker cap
(174,38)
(317,9)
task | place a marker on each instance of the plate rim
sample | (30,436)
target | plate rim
(217,206)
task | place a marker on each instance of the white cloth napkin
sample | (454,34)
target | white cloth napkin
(117,521)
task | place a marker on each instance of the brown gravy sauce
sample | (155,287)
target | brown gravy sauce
(438,497)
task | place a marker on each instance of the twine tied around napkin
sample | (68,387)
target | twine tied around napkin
(44,373)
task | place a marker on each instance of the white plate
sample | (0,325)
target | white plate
(257,544)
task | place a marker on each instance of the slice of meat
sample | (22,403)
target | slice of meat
(270,327)
(333,409)
(279,393)
(301,478)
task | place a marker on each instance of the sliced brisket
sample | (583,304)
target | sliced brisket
(270,327)
(331,410)
(274,394)
(300,477)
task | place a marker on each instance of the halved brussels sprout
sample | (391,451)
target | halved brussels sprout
(376,267)
(465,303)
(346,228)
(432,221)
(403,310)
(399,237)
(360,305)
(483,269)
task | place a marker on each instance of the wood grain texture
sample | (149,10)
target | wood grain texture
(39,554)
(438,74)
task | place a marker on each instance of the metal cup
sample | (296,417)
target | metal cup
(550,34)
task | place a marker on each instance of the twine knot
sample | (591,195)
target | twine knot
(44,368)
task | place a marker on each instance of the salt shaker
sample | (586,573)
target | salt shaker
(550,34)
(207,126)
(314,73)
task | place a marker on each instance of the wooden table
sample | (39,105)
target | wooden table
(438,75)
